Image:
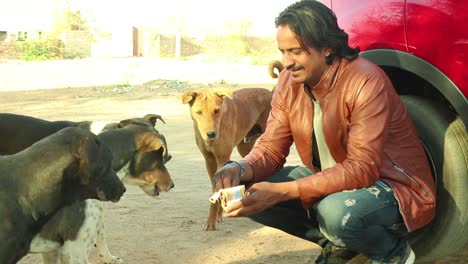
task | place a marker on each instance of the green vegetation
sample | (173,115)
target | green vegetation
(39,50)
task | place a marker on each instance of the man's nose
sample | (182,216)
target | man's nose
(288,62)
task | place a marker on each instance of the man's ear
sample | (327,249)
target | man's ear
(327,51)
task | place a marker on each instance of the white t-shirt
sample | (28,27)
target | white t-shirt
(326,159)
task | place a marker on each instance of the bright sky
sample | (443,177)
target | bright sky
(201,14)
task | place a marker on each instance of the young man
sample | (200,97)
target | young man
(366,181)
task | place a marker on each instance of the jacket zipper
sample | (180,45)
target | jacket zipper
(398,168)
(410,177)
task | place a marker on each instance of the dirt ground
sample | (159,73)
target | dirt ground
(166,229)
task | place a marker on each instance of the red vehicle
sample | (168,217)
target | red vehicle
(423,47)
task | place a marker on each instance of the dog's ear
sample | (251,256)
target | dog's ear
(166,156)
(223,92)
(152,118)
(188,97)
(86,150)
(150,142)
(124,123)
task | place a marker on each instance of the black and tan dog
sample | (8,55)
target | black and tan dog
(68,166)
(139,152)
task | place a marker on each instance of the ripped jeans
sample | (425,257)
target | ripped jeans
(365,220)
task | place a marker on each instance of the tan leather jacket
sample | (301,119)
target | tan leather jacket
(367,129)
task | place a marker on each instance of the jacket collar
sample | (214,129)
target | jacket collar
(327,82)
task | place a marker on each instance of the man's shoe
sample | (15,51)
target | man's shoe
(335,255)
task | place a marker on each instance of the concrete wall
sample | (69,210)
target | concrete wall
(77,44)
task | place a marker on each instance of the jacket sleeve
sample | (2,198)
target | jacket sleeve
(270,152)
(369,108)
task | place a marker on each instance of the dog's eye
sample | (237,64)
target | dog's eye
(199,112)
(216,111)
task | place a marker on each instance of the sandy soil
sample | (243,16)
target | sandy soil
(166,229)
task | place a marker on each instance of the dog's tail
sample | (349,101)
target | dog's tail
(272,66)
(275,65)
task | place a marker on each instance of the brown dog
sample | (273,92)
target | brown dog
(222,120)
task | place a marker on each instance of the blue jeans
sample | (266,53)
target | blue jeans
(365,221)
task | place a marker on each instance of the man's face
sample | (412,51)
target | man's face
(306,66)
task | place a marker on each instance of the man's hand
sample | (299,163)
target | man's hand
(227,176)
(261,196)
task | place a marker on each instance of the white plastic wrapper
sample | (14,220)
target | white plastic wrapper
(229,195)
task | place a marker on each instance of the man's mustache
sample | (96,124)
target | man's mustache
(294,68)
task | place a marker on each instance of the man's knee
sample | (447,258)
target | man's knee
(333,215)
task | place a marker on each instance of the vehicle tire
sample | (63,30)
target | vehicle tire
(446,141)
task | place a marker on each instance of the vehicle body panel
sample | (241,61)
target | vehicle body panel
(438,33)
(433,33)
(372,24)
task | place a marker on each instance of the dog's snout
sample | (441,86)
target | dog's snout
(211,134)
(172,185)
(120,190)
(116,189)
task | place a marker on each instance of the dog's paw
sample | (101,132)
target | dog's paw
(219,219)
(209,226)
(112,260)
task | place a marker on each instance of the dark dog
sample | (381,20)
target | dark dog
(139,154)
(68,166)
(18,132)
(29,130)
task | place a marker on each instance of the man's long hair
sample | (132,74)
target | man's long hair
(316,26)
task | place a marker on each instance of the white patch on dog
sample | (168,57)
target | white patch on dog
(97,126)
(93,211)
(78,249)
(40,244)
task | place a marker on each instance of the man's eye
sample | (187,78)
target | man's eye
(297,52)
